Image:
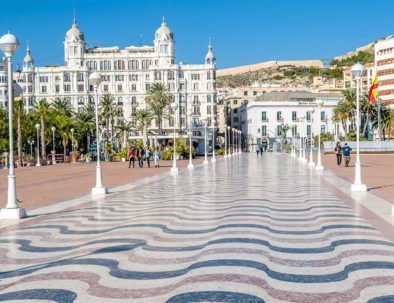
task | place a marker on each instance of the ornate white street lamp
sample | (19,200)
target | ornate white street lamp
(357,72)
(233,129)
(72,139)
(311,164)
(225,140)
(174,169)
(213,160)
(9,44)
(240,142)
(31,148)
(99,190)
(301,145)
(319,166)
(38,144)
(53,145)
(205,119)
(190,114)
(292,141)
(229,138)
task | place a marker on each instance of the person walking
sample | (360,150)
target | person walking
(132,156)
(257,150)
(156,157)
(261,149)
(346,154)
(338,152)
(140,157)
(147,155)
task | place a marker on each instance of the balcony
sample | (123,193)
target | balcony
(264,120)
(279,119)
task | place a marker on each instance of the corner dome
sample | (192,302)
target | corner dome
(164,31)
(210,57)
(75,32)
(28,59)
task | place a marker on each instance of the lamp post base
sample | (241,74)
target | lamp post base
(206,162)
(358,187)
(311,164)
(225,156)
(190,166)
(319,167)
(38,164)
(13,213)
(213,160)
(99,191)
(174,170)
(304,160)
(53,162)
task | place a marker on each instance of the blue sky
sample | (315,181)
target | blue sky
(242,32)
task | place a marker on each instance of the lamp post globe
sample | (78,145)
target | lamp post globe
(99,190)
(311,164)
(53,145)
(213,160)
(9,44)
(319,166)
(190,115)
(229,138)
(357,72)
(174,169)
(205,119)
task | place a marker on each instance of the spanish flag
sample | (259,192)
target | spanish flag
(374,90)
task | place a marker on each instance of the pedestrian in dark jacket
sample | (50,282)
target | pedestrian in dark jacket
(140,156)
(132,156)
(338,152)
(346,154)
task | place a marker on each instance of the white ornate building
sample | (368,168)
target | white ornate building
(127,74)
(3,84)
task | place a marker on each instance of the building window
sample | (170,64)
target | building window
(171,75)
(264,116)
(105,65)
(181,98)
(133,111)
(67,88)
(67,77)
(308,130)
(208,98)
(208,109)
(134,100)
(308,116)
(133,77)
(171,122)
(323,129)
(323,116)
(235,119)
(278,130)
(208,75)
(180,75)
(279,116)
(264,130)
(80,76)
(80,101)
(119,65)
(195,76)
(133,87)
(245,93)
(42,79)
(43,89)
(147,87)
(294,130)
(120,101)
(182,109)
(105,88)
(57,88)
(157,75)
(235,110)
(147,77)
(80,87)
(119,87)
(195,99)
(182,86)
(195,86)
(133,64)
(235,102)
(254,93)
(294,116)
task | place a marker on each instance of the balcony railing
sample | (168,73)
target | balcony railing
(264,120)
(279,119)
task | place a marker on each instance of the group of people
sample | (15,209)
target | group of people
(139,154)
(345,151)
(261,148)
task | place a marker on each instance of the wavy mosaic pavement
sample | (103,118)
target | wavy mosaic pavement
(248,230)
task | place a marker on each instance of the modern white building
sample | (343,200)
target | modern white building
(384,64)
(127,74)
(262,118)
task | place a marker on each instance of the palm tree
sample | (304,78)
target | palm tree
(19,112)
(64,124)
(106,108)
(142,119)
(124,127)
(341,113)
(367,110)
(386,116)
(350,97)
(158,101)
(42,109)
(116,114)
(62,106)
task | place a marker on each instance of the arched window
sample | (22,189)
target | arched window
(119,65)
(209,75)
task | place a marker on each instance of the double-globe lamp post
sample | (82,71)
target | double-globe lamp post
(311,164)
(9,44)
(229,138)
(319,166)
(174,169)
(53,145)
(99,190)
(190,114)
(357,72)
(225,140)
(301,145)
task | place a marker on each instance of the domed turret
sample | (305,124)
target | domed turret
(28,61)
(210,57)
(164,32)
(75,33)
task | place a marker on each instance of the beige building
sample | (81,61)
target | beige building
(366,80)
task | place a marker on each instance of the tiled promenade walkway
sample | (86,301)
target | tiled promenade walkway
(248,230)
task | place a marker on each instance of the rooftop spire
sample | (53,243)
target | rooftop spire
(209,45)
(164,21)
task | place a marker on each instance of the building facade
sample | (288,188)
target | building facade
(366,79)
(127,75)
(262,118)
(3,84)
(384,64)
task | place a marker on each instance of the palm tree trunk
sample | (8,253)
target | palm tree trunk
(124,138)
(144,136)
(43,140)
(107,122)
(19,141)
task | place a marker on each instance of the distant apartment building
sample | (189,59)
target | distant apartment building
(366,79)
(262,118)
(325,84)
(384,64)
